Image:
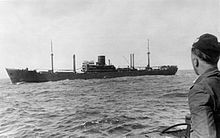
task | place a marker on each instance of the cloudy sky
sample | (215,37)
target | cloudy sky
(114,28)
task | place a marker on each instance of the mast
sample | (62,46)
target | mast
(133,60)
(148,54)
(74,63)
(51,56)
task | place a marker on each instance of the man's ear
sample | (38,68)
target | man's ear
(196,62)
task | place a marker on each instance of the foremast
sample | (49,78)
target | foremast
(148,54)
(52,70)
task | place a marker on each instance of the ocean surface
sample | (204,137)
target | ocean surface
(97,108)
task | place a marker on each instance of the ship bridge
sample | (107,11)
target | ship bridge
(100,66)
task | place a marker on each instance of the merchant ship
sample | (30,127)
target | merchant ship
(90,70)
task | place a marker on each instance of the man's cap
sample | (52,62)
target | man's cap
(208,44)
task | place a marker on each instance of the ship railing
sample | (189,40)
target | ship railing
(64,70)
(163,67)
(56,70)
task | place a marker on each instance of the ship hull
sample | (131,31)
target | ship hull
(24,75)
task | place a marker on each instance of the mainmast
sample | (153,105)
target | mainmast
(51,56)
(148,54)
(74,63)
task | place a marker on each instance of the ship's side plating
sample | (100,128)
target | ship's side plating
(17,75)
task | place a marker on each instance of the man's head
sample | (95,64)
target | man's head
(205,53)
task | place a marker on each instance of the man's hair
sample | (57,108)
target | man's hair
(213,60)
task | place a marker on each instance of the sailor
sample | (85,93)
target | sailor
(204,95)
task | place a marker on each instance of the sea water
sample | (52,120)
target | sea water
(96,108)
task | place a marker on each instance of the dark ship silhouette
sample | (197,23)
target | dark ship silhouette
(89,71)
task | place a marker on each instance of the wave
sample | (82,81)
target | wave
(113,123)
(175,95)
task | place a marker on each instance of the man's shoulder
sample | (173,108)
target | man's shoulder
(211,81)
(197,86)
(198,95)
(205,81)
(206,86)
(195,89)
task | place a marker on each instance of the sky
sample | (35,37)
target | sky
(114,28)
